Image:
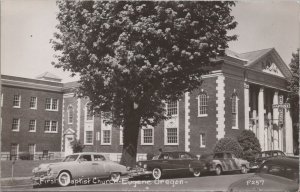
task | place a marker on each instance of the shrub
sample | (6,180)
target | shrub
(230,145)
(77,146)
(250,144)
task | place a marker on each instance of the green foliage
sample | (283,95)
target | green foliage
(77,146)
(250,144)
(230,145)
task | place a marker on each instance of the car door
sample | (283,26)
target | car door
(234,163)
(84,168)
(165,162)
(184,161)
(99,166)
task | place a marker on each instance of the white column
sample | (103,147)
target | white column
(254,112)
(288,132)
(187,121)
(246,104)
(261,118)
(275,122)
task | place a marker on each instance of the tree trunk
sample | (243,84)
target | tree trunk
(130,137)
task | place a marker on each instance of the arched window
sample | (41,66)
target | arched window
(89,116)
(202,104)
(234,111)
(70,114)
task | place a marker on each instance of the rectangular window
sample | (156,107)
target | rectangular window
(172,136)
(88,137)
(51,126)
(202,140)
(106,137)
(17,101)
(32,125)
(15,125)
(31,150)
(33,103)
(172,108)
(147,136)
(51,104)
(14,151)
(202,105)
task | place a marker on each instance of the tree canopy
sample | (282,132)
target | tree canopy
(131,56)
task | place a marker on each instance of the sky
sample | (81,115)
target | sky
(28,25)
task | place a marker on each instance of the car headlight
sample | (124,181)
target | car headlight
(145,166)
(49,171)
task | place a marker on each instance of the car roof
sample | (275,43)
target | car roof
(287,161)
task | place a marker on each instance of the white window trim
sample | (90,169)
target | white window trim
(70,123)
(35,104)
(19,122)
(34,148)
(198,109)
(2,100)
(18,147)
(32,131)
(177,102)
(102,136)
(142,136)
(121,136)
(51,126)
(201,139)
(85,143)
(19,106)
(166,136)
(51,103)
(237,114)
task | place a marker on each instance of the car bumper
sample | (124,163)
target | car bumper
(139,172)
(43,180)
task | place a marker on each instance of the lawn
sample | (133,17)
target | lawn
(22,168)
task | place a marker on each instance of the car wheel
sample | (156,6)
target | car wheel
(218,170)
(115,177)
(244,169)
(197,173)
(156,173)
(64,179)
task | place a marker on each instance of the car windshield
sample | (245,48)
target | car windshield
(70,158)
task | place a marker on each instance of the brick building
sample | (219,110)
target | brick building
(243,91)
(31,116)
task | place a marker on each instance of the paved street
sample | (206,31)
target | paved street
(204,183)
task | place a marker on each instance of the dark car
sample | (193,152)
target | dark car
(203,165)
(275,174)
(264,155)
(166,163)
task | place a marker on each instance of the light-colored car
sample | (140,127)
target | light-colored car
(77,167)
(227,161)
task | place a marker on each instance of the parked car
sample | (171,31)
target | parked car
(166,163)
(227,161)
(275,174)
(264,155)
(198,167)
(78,166)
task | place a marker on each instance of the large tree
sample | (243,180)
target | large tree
(294,94)
(132,56)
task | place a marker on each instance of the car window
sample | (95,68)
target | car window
(206,156)
(281,153)
(228,155)
(164,156)
(99,158)
(155,157)
(174,156)
(185,156)
(70,158)
(275,154)
(85,158)
(219,155)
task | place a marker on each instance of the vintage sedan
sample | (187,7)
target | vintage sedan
(275,174)
(227,161)
(78,167)
(167,163)
(264,155)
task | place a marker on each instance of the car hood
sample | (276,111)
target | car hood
(259,182)
(44,166)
